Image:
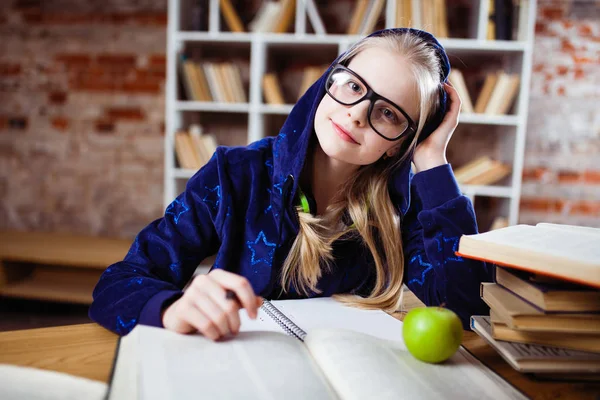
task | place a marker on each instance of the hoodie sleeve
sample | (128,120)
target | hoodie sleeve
(438,216)
(162,258)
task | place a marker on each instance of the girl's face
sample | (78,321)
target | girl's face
(344,132)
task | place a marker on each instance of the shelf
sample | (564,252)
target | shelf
(211,106)
(180,173)
(59,249)
(291,38)
(490,191)
(483,119)
(54,284)
(283,109)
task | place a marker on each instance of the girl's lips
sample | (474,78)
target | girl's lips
(343,133)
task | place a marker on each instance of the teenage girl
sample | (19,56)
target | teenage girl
(330,206)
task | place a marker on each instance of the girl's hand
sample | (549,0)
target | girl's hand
(205,308)
(432,151)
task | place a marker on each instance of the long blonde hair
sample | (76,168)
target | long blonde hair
(378,224)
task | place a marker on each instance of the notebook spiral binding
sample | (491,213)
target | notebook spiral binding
(284,322)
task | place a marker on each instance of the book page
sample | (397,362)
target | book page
(552,242)
(125,377)
(262,322)
(325,312)
(253,365)
(361,367)
(569,228)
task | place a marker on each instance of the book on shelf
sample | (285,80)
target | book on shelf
(491,25)
(193,149)
(555,295)
(503,19)
(457,80)
(272,89)
(482,171)
(504,94)
(517,313)
(184,150)
(486,92)
(286,16)
(273,16)
(533,358)
(308,349)
(194,82)
(358,15)
(371,18)
(404,13)
(433,17)
(222,82)
(498,223)
(234,23)
(310,76)
(545,249)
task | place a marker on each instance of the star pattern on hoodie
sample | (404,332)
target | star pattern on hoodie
(440,240)
(262,250)
(213,196)
(124,327)
(428,267)
(177,208)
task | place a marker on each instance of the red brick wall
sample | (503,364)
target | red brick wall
(82,115)
(561,178)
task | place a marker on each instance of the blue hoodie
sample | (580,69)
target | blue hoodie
(241,206)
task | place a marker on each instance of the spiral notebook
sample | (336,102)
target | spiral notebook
(307,349)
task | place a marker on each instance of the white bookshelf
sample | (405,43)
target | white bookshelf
(512,126)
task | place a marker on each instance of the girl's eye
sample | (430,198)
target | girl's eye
(389,114)
(355,87)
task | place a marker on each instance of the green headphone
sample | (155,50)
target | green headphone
(303,201)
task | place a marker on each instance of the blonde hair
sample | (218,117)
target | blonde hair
(378,224)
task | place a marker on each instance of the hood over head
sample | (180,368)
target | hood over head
(291,145)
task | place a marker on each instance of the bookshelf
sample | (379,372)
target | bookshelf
(501,137)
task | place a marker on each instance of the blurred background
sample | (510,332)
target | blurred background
(83,123)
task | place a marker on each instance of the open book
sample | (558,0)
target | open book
(296,349)
(565,252)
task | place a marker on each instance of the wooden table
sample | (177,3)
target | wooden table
(87,350)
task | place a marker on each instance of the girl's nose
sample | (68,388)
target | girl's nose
(358,113)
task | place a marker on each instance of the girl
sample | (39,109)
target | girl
(328,207)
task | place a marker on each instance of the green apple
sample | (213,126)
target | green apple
(432,334)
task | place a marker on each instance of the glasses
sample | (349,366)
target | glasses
(387,119)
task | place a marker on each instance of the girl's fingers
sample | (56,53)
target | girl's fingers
(241,287)
(214,313)
(229,307)
(193,316)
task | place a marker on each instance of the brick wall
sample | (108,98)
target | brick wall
(82,115)
(561,179)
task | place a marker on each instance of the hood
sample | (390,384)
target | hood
(291,145)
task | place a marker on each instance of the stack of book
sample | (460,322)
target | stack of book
(210,81)
(497,94)
(431,14)
(193,149)
(545,301)
(272,88)
(482,171)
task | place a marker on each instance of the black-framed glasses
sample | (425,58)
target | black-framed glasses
(387,119)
